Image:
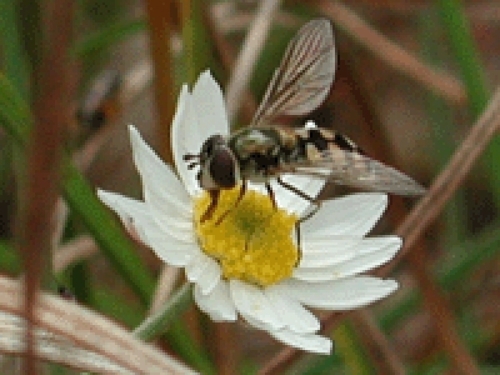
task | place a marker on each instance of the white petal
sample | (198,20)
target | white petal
(343,294)
(204,271)
(128,210)
(308,342)
(295,316)
(209,106)
(186,139)
(210,277)
(321,251)
(198,116)
(378,251)
(353,215)
(166,247)
(254,306)
(169,249)
(313,274)
(290,201)
(217,304)
(163,192)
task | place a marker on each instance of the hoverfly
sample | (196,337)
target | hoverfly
(265,151)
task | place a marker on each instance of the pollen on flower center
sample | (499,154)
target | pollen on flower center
(254,242)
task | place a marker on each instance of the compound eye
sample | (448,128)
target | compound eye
(224,168)
(207,149)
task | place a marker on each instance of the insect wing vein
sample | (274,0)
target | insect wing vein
(303,79)
(355,170)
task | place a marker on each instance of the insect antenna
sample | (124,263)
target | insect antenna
(193,163)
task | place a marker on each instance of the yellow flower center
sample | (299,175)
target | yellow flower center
(253,242)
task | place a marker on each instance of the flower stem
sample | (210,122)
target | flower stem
(157,324)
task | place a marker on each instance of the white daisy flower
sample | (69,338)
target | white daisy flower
(249,264)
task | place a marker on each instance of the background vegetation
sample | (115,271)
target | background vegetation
(415,88)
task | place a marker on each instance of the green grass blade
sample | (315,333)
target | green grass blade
(464,48)
(108,36)
(16,120)
(107,232)
(474,77)
(14,60)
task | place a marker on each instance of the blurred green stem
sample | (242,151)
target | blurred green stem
(157,324)
(356,362)
(473,76)
(14,59)
(442,127)
(464,48)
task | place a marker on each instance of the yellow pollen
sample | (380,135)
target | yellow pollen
(253,243)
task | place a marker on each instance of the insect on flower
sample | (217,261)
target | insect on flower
(265,150)
(246,257)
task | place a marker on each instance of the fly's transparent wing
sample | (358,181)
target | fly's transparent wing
(354,169)
(303,79)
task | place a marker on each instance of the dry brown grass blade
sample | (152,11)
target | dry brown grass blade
(51,114)
(426,211)
(439,82)
(160,22)
(435,301)
(450,179)
(280,362)
(442,316)
(227,348)
(82,336)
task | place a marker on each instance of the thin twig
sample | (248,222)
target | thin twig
(441,83)
(251,49)
(227,348)
(280,362)
(435,301)
(450,179)
(442,316)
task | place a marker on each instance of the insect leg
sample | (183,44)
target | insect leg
(214,199)
(304,196)
(243,189)
(299,243)
(270,192)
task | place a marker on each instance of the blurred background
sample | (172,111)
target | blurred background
(412,80)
